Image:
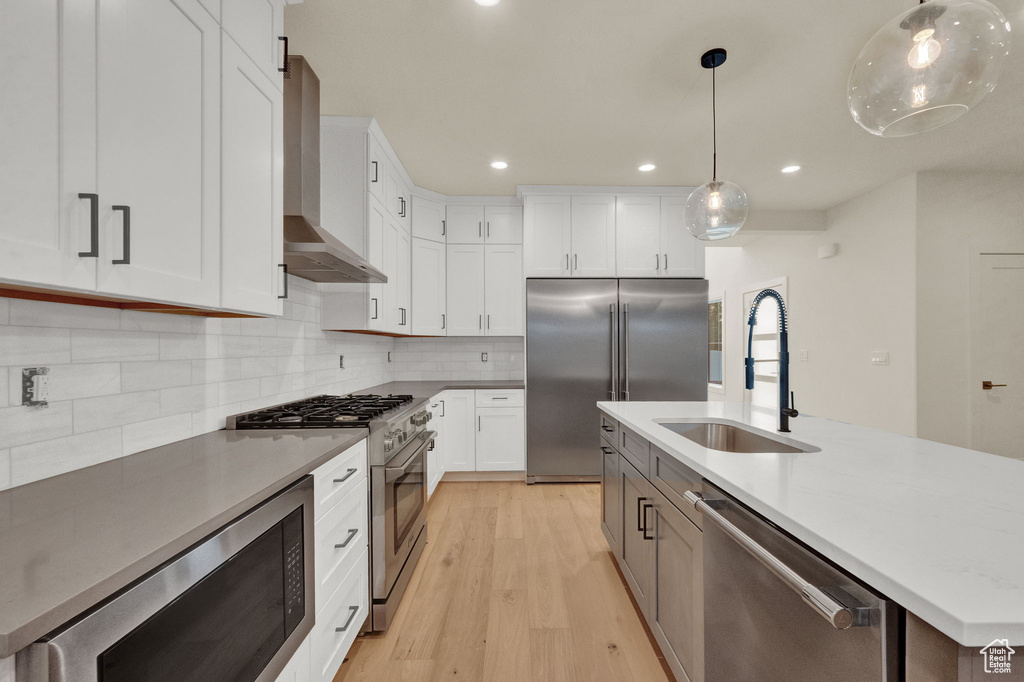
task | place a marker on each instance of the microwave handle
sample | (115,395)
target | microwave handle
(391,473)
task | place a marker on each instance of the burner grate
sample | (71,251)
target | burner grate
(323,411)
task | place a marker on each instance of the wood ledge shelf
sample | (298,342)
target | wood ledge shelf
(99,301)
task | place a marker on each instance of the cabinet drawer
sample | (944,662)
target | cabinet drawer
(335,479)
(610,430)
(673,478)
(338,624)
(635,448)
(499,398)
(341,536)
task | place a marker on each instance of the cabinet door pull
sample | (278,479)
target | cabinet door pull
(657,262)
(126,236)
(375,311)
(479,423)
(645,529)
(488,321)
(488,229)
(442,408)
(575,261)
(444,228)
(443,322)
(284,271)
(480,229)
(94,225)
(286,68)
(401,211)
(376,172)
(348,621)
(639,503)
(566,261)
(666,262)
(480,322)
(349,474)
(352,532)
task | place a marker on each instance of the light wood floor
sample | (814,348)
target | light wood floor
(516,583)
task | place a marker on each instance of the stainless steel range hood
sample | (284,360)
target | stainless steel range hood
(310,251)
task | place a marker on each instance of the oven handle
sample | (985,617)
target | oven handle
(391,473)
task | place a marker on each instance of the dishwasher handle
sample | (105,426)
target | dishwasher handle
(840,616)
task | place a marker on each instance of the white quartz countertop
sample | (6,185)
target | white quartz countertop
(936,528)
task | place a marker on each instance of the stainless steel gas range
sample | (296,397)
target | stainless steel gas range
(397,449)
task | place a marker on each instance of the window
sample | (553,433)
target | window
(715,342)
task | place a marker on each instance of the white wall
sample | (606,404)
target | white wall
(459,358)
(959,214)
(841,309)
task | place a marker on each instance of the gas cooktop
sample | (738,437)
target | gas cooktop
(322,411)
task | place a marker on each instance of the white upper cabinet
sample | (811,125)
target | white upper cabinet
(251,187)
(48,144)
(465,224)
(547,236)
(503,224)
(465,290)
(429,302)
(158,141)
(503,290)
(403,280)
(593,236)
(257,27)
(428,219)
(638,241)
(377,168)
(682,253)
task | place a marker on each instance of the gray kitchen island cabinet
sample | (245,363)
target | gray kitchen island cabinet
(658,548)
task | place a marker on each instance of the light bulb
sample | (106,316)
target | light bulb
(714,201)
(925,50)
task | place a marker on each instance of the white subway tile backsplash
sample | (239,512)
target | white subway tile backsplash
(125,381)
(92,414)
(143,376)
(155,432)
(32,346)
(113,346)
(27,313)
(59,455)
(31,424)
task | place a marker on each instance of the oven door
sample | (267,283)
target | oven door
(405,498)
(233,608)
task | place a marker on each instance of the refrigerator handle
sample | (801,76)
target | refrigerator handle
(625,353)
(613,319)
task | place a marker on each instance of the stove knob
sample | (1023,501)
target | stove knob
(430,415)
(389,442)
(400,434)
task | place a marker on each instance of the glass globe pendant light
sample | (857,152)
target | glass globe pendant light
(928,67)
(718,209)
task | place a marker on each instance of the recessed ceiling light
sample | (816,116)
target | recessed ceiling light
(791,169)
(499,165)
(487,3)
(646,168)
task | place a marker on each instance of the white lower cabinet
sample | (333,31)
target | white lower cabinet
(483,430)
(435,457)
(338,623)
(341,550)
(500,439)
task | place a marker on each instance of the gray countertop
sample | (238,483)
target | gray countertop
(68,542)
(428,389)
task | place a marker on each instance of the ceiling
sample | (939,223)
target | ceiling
(581,92)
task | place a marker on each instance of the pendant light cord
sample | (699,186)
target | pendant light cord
(714,128)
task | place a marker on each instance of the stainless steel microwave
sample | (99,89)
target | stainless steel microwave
(232,608)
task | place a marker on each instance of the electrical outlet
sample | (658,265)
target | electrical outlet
(341,362)
(804,356)
(483,357)
(35,386)
(879,357)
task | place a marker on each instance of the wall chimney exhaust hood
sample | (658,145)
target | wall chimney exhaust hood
(310,251)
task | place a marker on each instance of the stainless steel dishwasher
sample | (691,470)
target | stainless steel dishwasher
(774,611)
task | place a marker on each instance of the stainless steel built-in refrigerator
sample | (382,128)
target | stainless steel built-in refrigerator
(589,340)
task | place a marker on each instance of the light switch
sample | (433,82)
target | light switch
(880,357)
(804,355)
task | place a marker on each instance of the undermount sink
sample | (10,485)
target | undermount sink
(729,438)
